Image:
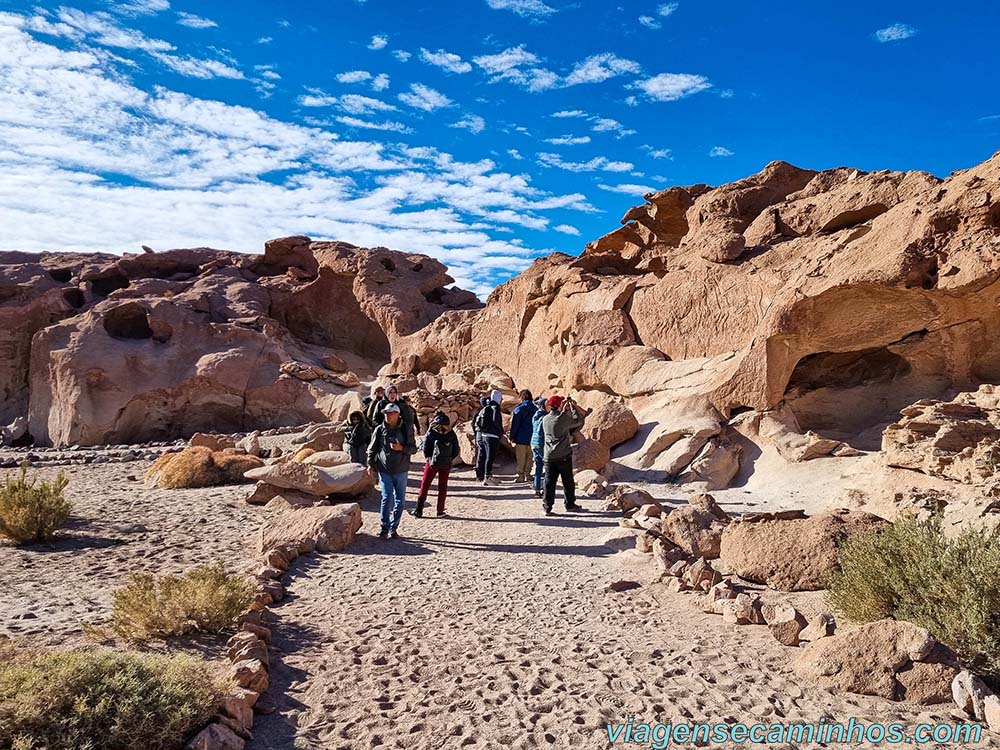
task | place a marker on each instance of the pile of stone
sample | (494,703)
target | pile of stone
(284,537)
(459,405)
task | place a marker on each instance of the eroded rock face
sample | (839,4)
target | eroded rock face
(100,349)
(838,296)
(957,439)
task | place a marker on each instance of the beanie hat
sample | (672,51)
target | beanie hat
(496,396)
(556,402)
(441,419)
(540,402)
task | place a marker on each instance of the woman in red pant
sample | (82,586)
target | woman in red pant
(440,449)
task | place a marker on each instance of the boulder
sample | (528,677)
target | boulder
(624,498)
(590,483)
(611,423)
(792,554)
(697,527)
(716,464)
(821,626)
(785,622)
(327,459)
(620,540)
(346,480)
(216,737)
(891,659)
(216,443)
(970,693)
(590,454)
(324,528)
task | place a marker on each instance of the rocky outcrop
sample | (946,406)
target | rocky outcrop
(957,439)
(325,528)
(99,349)
(791,554)
(891,659)
(839,297)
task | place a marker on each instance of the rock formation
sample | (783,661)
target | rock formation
(99,349)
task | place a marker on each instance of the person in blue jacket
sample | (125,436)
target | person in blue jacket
(521,429)
(538,441)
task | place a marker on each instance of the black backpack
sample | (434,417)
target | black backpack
(443,453)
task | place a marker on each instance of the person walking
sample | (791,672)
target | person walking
(477,437)
(558,426)
(489,428)
(521,430)
(538,443)
(389,454)
(357,436)
(407,413)
(440,449)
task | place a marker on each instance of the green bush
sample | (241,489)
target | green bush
(32,510)
(104,700)
(911,571)
(205,598)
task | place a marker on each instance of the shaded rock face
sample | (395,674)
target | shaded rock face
(840,296)
(99,349)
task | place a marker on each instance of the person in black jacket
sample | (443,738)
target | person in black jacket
(375,403)
(488,426)
(389,456)
(357,436)
(407,413)
(440,449)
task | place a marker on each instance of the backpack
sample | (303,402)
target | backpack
(443,453)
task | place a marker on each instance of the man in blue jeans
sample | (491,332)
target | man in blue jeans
(389,456)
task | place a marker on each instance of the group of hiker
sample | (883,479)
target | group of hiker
(382,436)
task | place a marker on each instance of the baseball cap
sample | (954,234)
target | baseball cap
(390,409)
(556,401)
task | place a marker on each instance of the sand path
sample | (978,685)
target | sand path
(491,630)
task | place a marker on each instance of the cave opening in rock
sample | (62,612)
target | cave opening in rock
(74,298)
(434,296)
(129,321)
(62,275)
(853,395)
(107,284)
(388,265)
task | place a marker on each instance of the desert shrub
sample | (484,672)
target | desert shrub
(205,598)
(302,454)
(911,571)
(32,510)
(200,467)
(103,700)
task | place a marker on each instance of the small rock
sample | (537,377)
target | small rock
(216,737)
(619,586)
(821,626)
(785,622)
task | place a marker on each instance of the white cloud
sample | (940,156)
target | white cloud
(401,54)
(527,8)
(380,82)
(99,28)
(658,153)
(596,164)
(196,68)
(649,22)
(194,22)
(610,125)
(569,113)
(667,9)
(388,125)
(379,41)
(472,123)
(668,87)
(267,71)
(424,97)
(445,60)
(356,104)
(141,7)
(354,76)
(265,40)
(517,65)
(629,188)
(123,166)
(895,33)
(597,68)
(568,140)
(515,154)
(567,229)
(284,23)
(720,151)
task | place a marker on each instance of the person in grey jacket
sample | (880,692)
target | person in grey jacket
(564,418)
(389,456)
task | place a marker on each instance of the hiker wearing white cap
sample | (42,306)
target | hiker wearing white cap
(389,456)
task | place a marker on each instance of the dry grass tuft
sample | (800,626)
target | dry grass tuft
(200,467)
(302,454)
(32,510)
(103,700)
(205,598)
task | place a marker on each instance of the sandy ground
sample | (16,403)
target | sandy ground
(49,591)
(491,629)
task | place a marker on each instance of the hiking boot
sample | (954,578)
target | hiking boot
(574,508)
(383,533)
(418,512)
(549,511)
(393,534)
(442,514)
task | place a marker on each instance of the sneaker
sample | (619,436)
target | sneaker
(442,514)
(415,513)
(539,493)
(393,534)
(383,533)
(574,508)
(549,512)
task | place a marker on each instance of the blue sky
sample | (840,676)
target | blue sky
(483,132)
